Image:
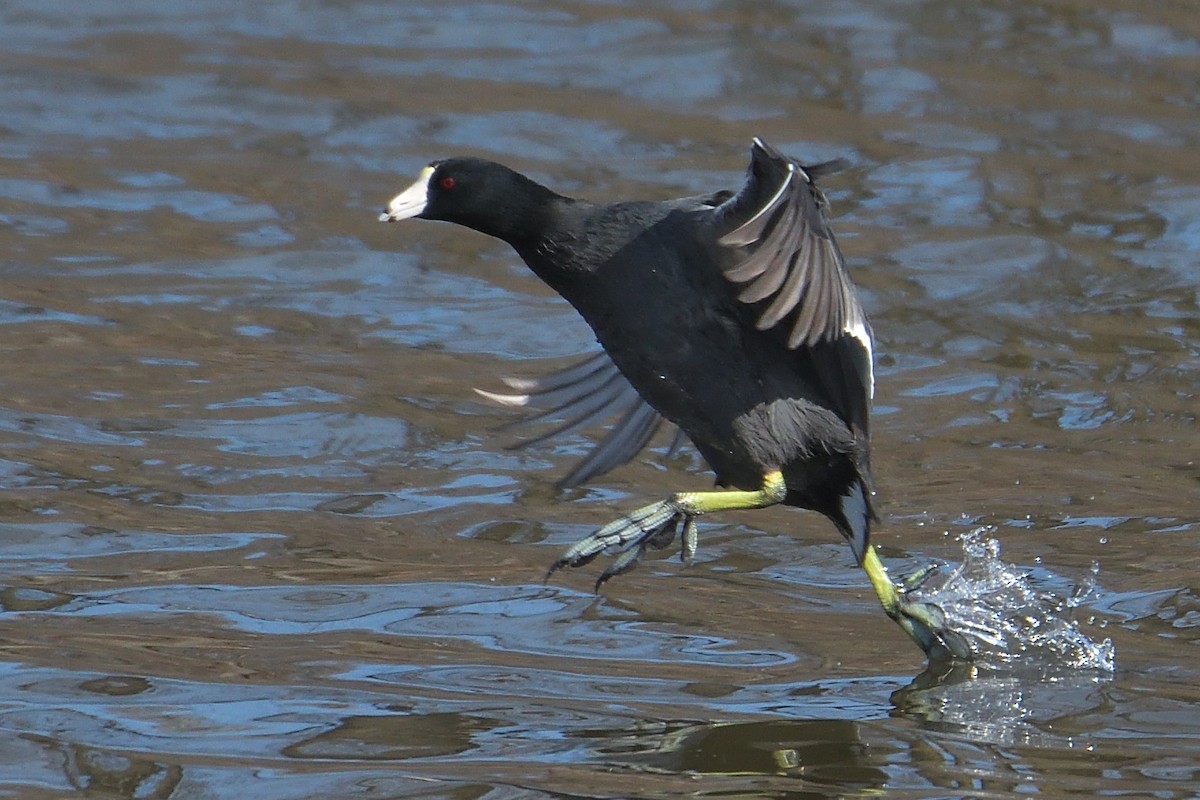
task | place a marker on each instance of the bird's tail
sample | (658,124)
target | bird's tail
(856,517)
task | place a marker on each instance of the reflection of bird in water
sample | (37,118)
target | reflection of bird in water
(732,316)
(829,751)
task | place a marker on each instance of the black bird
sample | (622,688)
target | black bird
(732,316)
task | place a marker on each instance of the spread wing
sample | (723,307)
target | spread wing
(583,394)
(787,265)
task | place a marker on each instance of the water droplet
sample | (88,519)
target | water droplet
(1006,617)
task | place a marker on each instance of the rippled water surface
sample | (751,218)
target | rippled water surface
(259,539)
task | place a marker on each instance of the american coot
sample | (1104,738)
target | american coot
(732,316)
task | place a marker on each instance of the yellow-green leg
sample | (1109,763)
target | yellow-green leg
(656,525)
(924,622)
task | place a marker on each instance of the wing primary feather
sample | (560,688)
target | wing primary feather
(598,362)
(581,395)
(581,412)
(627,438)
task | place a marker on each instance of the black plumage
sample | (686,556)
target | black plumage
(731,315)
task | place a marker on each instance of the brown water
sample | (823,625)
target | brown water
(258,539)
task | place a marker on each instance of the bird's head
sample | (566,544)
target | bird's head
(483,195)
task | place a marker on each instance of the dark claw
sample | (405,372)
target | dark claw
(566,562)
(575,556)
(622,563)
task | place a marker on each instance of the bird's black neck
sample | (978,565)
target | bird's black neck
(528,211)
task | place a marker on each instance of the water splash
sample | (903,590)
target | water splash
(1005,618)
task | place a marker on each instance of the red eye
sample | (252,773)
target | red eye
(447,182)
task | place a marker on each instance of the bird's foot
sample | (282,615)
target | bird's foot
(923,621)
(653,526)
